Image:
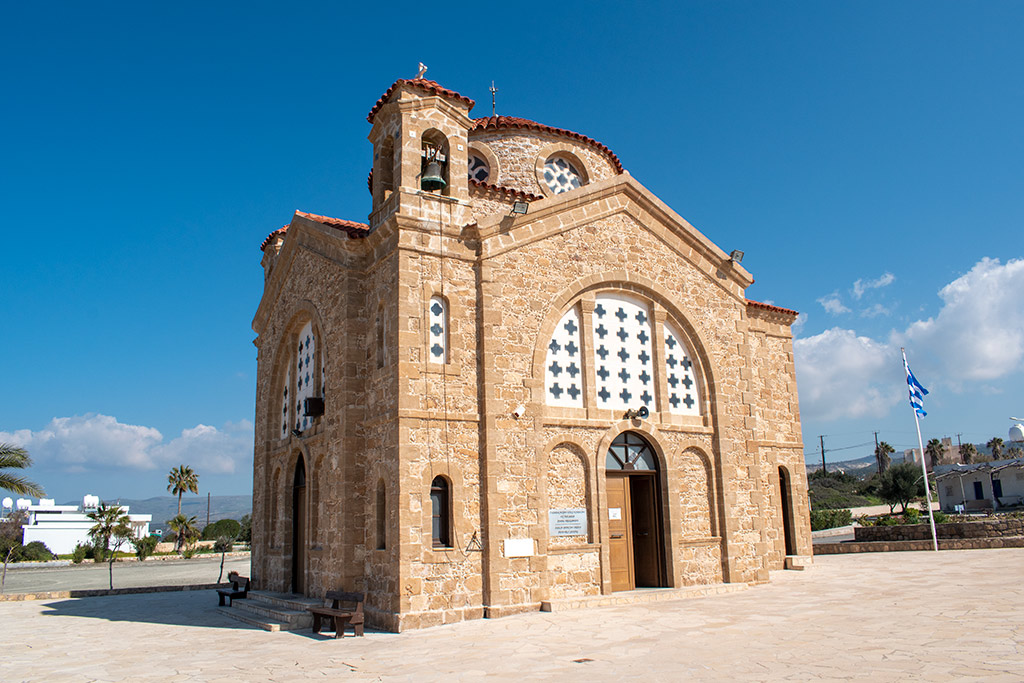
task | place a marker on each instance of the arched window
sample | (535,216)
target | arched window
(683,398)
(437,347)
(305,375)
(440,513)
(630,451)
(435,149)
(561,175)
(300,380)
(382,516)
(285,402)
(564,367)
(479,170)
(623,353)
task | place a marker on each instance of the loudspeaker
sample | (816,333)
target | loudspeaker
(313,407)
(643,412)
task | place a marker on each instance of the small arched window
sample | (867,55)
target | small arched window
(437,347)
(479,169)
(440,513)
(305,374)
(561,175)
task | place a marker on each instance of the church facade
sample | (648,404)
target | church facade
(524,379)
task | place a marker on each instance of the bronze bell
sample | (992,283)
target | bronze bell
(432,179)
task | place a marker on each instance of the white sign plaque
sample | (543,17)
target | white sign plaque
(518,547)
(567,522)
(614,513)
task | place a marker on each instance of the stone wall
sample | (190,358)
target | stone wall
(919,532)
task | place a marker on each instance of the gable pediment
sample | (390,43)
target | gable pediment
(620,195)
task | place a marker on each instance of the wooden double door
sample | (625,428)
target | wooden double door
(634,527)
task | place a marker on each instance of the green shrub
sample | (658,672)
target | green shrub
(940,517)
(190,552)
(36,551)
(144,546)
(912,516)
(79,553)
(864,520)
(224,527)
(829,519)
(887,520)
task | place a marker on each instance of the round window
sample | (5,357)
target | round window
(560,175)
(478,169)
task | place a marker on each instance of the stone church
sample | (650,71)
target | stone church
(524,380)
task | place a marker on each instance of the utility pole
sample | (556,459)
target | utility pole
(823,470)
(878,456)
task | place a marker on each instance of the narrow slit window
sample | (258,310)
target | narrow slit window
(440,513)
(437,339)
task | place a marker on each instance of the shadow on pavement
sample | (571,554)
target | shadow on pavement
(191,608)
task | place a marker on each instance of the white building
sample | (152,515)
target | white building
(62,527)
(984,485)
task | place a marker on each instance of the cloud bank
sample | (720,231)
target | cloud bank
(99,442)
(977,336)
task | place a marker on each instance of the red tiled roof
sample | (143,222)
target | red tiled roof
(769,307)
(423,84)
(489,123)
(519,194)
(351,228)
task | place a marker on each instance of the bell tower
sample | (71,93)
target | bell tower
(420,153)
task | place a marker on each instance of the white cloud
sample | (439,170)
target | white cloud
(96,442)
(861,286)
(979,332)
(798,325)
(977,336)
(832,304)
(874,311)
(841,375)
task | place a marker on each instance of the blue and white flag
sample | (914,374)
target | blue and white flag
(917,392)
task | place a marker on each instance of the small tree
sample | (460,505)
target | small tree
(10,539)
(882,451)
(112,530)
(222,545)
(934,451)
(185,531)
(1015,452)
(995,445)
(900,484)
(144,546)
(245,533)
(968,453)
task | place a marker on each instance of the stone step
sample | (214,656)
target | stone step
(252,620)
(799,562)
(290,619)
(642,595)
(289,601)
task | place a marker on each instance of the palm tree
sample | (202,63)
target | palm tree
(882,452)
(182,479)
(967,453)
(184,529)
(996,446)
(112,526)
(13,457)
(934,450)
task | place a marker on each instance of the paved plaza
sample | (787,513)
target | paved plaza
(875,617)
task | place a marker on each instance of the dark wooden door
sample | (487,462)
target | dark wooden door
(620,539)
(644,530)
(299,505)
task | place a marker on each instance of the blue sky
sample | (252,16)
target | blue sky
(866,156)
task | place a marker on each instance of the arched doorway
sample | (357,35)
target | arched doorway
(299,528)
(786,499)
(634,514)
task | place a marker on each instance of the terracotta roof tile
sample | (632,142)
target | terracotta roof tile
(489,123)
(487,187)
(351,228)
(769,307)
(429,86)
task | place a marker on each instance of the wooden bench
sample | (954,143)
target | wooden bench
(239,588)
(345,608)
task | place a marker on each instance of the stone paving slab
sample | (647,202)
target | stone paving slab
(912,616)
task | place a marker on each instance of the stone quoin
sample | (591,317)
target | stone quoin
(464,410)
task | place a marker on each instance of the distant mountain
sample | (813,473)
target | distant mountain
(164,508)
(861,467)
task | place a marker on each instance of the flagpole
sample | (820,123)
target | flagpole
(924,469)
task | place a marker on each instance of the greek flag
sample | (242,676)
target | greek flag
(917,392)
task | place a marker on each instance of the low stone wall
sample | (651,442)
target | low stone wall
(952,530)
(94,592)
(896,546)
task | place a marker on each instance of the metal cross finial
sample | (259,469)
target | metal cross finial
(493,99)
(423,70)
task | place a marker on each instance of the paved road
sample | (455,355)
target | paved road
(152,572)
(909,616)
